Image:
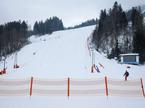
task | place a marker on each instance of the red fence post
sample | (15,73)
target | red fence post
(92,69)
(68,87)
(106,85)
(31,86)
(142,87)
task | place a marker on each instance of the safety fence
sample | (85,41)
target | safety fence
(13,87)
(71,87)
(125,88)
(49,87)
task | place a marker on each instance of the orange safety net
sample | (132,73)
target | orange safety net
(71,87)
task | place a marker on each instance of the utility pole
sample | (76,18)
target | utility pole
(92,57)
(4,62)
(93,61)
(4,68)
(15,61)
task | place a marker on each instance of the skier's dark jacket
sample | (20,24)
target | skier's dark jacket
(126,74)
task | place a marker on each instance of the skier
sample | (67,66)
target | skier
(126,74)
(97,69)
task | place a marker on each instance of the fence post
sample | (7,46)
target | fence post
(106,85)
(68,87)
(31,86)
(142,87)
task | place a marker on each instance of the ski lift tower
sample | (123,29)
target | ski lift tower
(15,61)
(93,57)
(4,65)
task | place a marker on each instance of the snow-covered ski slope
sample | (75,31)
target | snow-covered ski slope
(65,54)
(62,54)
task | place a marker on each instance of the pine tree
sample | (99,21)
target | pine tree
(36,28)
(137,19)
(101,21)
(117,50)
(50,25)
(111,25)
(139,33)
(123,20)
(13,35)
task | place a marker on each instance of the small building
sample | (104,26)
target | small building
(130,58)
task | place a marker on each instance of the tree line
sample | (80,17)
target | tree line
(85,23)
(138,28)
(116,22)
(13,36)
(50,25)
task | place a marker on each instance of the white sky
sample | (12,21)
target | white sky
(70,11)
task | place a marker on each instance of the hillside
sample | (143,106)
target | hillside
(120,32)
(65,54)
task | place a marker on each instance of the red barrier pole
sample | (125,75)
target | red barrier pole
(142,87)
(92,69)
(68,89)
(31,86)
(106,86)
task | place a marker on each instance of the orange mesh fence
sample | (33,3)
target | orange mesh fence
(92,87)
(71,87)
(11,87)
(124,88)
(50,87)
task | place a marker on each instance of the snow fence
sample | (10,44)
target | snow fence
(14,87)
(71,87)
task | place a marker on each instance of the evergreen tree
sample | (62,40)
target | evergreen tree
(117,50)
(49,26)
(13,36)
(139,33)
(137,19)
(101,21)
(123,21)
(139,44)
(111,25)
(36,28)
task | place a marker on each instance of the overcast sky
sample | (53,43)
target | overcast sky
(70,11)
